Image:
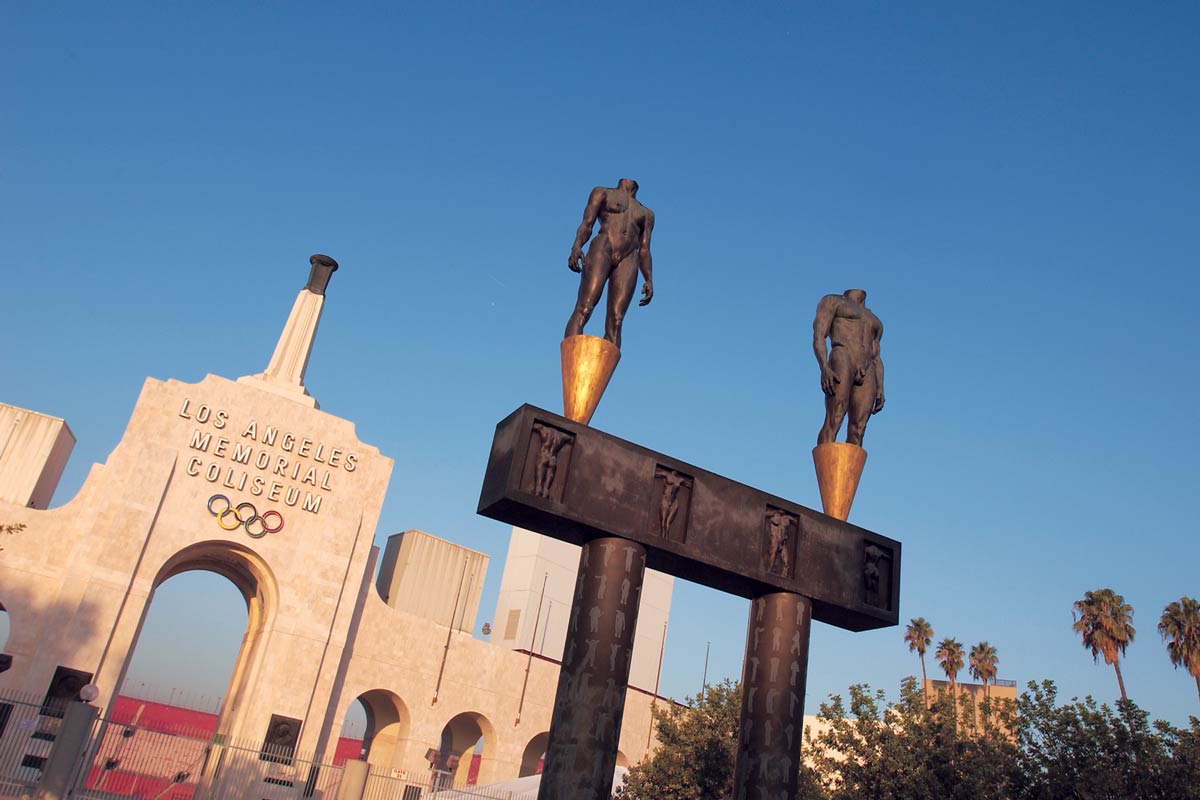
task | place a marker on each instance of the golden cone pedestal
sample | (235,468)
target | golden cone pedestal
(587,364)
(839,467)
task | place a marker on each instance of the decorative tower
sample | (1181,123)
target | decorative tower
(285,373)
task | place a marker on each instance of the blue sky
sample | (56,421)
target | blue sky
(1015,187)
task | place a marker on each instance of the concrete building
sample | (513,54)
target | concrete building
(251,480)
(34,449)
(528,618)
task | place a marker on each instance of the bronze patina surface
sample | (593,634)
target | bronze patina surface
(620,250)
(631,509)
(587,365)
(851,370)
(321,271)
(839,467)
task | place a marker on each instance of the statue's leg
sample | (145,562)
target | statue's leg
(862,400)
(620,293)
(837,403)
(596,267)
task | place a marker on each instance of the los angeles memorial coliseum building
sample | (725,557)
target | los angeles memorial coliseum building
(249,479)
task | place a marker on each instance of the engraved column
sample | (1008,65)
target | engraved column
(589,705)
(773,678)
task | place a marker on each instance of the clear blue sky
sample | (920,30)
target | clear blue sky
(1015,186)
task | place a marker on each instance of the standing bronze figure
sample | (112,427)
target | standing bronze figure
(620,250)
(852,372)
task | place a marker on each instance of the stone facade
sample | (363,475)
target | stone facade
(78,581)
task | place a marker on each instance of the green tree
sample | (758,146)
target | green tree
(1180,629)
(950,656)
(982,662)
(1105,621)
(905,751)
(696,752)
(1084,751)
(919,635)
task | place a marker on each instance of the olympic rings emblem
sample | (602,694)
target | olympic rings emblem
(232,517)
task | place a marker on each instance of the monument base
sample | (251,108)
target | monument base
(839,468)
(588,363)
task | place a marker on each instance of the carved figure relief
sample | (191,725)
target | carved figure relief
(877,576)
(782,529)
(673,495)
(547,462)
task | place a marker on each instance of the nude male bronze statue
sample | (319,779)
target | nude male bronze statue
(668,506)
(551,443)
(779,524)
(620,250)
(852,372)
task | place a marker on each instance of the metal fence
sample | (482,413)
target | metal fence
(424,784)
(420,782)
(26,736)
(125,761)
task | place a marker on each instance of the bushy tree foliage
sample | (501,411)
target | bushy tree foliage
(906,750)
(867,748)
(1086,751)
(697,747)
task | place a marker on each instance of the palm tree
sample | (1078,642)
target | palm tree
(919,636)
(983,661)
(1180,629)
(950,655)
(1105,621)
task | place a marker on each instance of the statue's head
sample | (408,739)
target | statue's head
(629,185)
(857,295)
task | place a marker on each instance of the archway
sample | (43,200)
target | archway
(254,595)
(385,739)
(186,650)
(535,751)
(465,737)
(622,760)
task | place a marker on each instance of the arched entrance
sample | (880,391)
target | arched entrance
(253,580)
(385,739)
(465,736)
(531,759)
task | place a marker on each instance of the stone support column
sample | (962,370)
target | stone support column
(773,678)
(354,780)
(66,758)
(586,724)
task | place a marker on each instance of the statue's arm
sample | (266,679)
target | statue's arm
(645,262)
(878,363)
(822,323)
(584,231)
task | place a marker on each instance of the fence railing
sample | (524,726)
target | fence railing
(26,736)
(424,784)
(124,760)
(130,762)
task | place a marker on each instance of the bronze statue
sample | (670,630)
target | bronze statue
(552,441)
(620,250)
(779,524)
(852,374)
(668,505)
